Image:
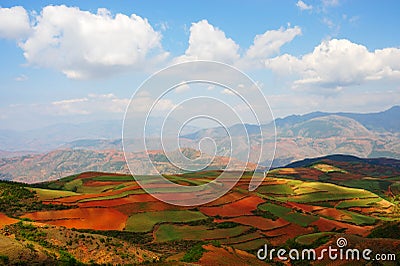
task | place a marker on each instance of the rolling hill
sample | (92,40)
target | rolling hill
(80,217)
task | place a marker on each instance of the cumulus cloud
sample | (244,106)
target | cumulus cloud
(14,23)
(338,63)
(81,44)
(303,6)
(207,42)
(269,43)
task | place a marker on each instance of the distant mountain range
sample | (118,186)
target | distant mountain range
(382,121)
(66,149)
(57,136)
(59,163)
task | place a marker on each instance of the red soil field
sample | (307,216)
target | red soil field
(227,198)
(137,207)
(257,222)
(117,202)
(228,256)
(282,234)
(5,220)
(333,213)
(326,225)
(82,218)
(237,208)
(74,199)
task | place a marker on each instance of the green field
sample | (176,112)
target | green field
(170,232)
(326,168)
(326,192)
(358,203)
(144,222)
(280,189)
(47,194)
(242,238)
(309,239)
(359,219)
(287,214)
(251,245)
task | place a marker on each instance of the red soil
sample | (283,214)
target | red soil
(137,207)
(117,202)
(74,199)
(280,235)
(228,256)
(82,218)
(333,213)
(227,198)
(237,208)
(5,220)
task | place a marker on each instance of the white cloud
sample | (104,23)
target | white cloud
(182,88)
(207,42)
(21,77)
(14,23)
(82,44)
(303,6)
(144,104)
(269,43)
(92,104)
(227,92)
(338,63)
(328,3)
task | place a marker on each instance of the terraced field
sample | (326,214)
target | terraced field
(307,206)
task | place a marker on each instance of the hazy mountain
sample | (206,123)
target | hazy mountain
(55,136)
(59,163)
(326,127)
(381,121)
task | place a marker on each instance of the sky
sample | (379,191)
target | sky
(80,61)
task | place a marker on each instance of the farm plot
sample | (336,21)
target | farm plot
(5,220)
(144,222)
(309,239)
(346,216)
(362,203)
(169,232)
(82,218)
(49,194)
(287,214)
(258,222)
(328,192)
(241,207)
(276,189)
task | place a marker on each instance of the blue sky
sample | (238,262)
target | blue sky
(330,55)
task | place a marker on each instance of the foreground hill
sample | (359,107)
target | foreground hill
(311,205)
